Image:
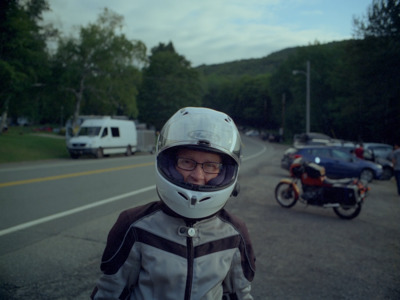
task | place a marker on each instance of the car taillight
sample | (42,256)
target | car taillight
(296,156)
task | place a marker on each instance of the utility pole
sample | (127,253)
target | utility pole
(282,130)
(308,88)
(308,99)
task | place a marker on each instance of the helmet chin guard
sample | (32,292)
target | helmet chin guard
(204,130)
(189,203)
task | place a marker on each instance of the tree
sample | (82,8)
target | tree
(329,92)
(376,64)
(251,101)
(169,83)
(99,67)
(23,58)
(219,93)
(382,20)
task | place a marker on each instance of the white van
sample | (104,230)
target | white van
(104,136)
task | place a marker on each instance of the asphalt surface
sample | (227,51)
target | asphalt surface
(308,252)
(302,252)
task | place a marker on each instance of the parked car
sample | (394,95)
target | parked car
(387,165)
(313,138)
(379,149)
(288,157)
(337,162)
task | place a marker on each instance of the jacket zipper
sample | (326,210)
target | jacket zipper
(190,259)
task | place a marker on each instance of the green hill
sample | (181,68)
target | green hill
(257,66)
(253,66)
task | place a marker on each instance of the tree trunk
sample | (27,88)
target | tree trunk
(3,122)
(78,96)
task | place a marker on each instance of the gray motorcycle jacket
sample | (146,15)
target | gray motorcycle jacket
(153,254)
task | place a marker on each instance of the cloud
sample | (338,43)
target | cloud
(209,31)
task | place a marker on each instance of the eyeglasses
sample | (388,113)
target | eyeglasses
(188,164)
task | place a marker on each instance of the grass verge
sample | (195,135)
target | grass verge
(23,144)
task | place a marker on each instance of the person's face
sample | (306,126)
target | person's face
(197,175)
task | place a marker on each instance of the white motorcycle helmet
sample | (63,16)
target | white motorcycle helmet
(200,129)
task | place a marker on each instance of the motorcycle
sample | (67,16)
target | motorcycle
(345,196)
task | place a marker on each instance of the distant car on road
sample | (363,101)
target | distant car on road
(252,132)
(337,162)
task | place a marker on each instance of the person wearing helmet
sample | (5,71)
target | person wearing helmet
(186,245)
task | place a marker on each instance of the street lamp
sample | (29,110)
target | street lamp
(307,74)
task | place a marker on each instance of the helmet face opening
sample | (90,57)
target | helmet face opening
(167,166)
(201,130)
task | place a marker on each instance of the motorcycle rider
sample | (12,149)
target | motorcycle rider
(186,245)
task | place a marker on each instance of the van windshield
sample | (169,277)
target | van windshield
(89,131)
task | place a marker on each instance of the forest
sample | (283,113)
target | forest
(354,85)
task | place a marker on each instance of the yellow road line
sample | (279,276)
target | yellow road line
(57,177)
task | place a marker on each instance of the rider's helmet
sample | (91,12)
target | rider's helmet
(199,129)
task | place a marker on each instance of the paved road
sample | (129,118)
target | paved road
(302,252)
(309,253)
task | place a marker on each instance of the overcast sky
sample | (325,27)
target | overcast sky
(217,31)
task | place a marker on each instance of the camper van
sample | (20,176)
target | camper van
(104,136)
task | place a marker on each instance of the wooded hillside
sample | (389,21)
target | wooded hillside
(252,67)
(354,90)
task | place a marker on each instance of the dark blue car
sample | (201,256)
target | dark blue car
(337,162)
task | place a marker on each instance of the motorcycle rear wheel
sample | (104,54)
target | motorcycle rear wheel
(285,195)
(348,212)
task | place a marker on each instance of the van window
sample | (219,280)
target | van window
(115,131)
(89,131)
(105,132)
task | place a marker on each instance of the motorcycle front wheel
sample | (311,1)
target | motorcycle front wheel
(348,212)
(285,195)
